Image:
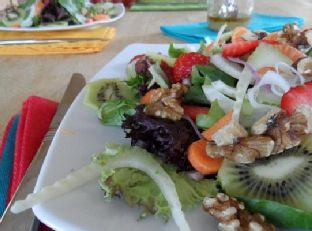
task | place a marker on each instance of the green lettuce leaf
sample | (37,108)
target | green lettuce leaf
(138,189)
(112,112)
(279,214)
(210,73)
(26,4)
(202,46)
(74,8)
(175,52)
(195,95)
(215,113)
(309,52)
(197,78)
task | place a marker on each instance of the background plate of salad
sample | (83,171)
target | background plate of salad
(48,15)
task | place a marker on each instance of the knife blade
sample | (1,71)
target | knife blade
(49,41)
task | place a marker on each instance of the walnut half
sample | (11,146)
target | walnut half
(233,216)
(245,150)
(285,130)
(166,103)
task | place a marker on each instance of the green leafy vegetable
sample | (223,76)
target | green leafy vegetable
(74,8)
(36,21)
(135,82)
(205,121)
(280,214)
(124,156)
(112,112)
(26,4)
(309,52)
(138,189)
(195,95)
(176,52)
(93,10)
(247,109)
(210,73)
(197,78)
(202,46)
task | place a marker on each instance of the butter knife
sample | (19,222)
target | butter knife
(45,41)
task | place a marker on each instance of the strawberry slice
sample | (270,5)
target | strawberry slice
(183,66)
(192,111)
(242,47)
(167,69)
(296,96)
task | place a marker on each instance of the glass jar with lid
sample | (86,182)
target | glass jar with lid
(232,12)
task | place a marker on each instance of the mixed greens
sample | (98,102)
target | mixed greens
(35,13)
(232,84)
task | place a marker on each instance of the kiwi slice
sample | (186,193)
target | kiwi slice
(285,178)
(99,91)
(13,17)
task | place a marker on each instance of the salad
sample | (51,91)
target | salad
(226,126)
(35,13)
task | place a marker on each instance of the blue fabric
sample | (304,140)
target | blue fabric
(6,164)
(196,32)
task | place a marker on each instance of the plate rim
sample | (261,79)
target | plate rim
(68,28)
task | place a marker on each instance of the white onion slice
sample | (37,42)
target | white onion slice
(232,69)
(248,66)
(224,89)
(291,69)
(219,35)
(70,182)
(213,94)
(270,78)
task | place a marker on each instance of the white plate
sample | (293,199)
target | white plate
(120,10)
(79,137)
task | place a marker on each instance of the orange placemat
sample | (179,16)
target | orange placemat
(100,36)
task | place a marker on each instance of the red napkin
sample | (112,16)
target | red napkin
(34,122)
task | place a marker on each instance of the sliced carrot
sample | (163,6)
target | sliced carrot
(39,6)
(99,17)
(208,48)
(264,70)
(192,111)
(219,124)
(272,37)
(199,159)
(291,52)
(238,33)
(148,97)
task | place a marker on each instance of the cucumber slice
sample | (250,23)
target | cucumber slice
(267,56)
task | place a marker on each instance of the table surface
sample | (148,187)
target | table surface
(48,76)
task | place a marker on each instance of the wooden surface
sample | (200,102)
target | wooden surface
(48,76)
